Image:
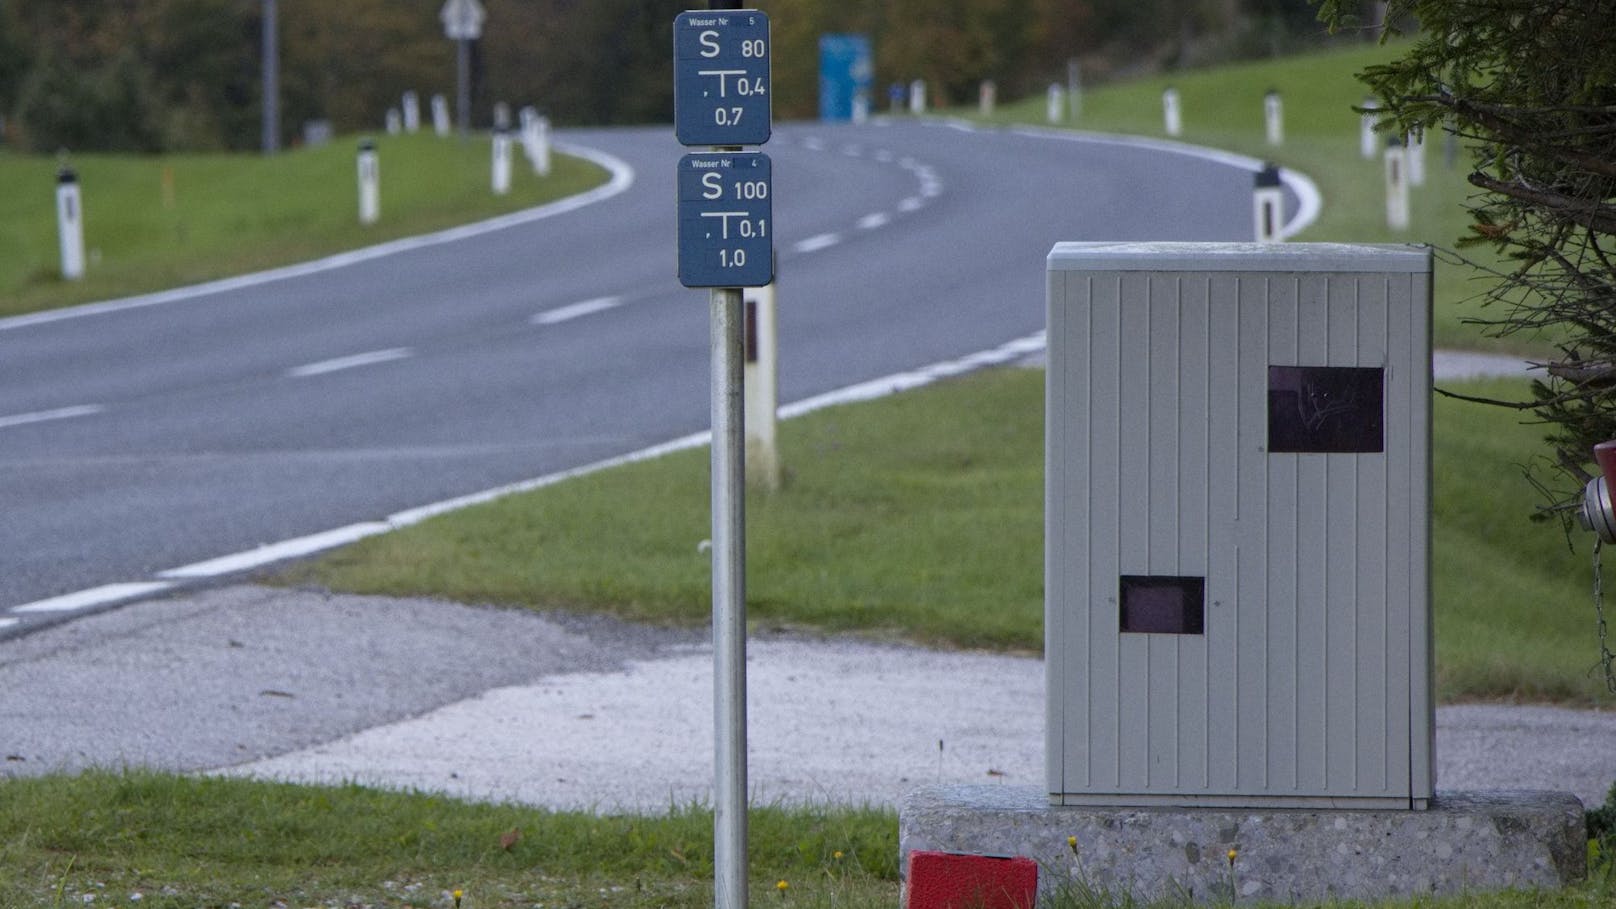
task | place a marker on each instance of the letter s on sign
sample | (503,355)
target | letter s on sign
(709,43)
(712,185)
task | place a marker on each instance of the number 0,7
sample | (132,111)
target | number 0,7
(727,116)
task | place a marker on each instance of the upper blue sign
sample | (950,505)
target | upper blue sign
(721,84)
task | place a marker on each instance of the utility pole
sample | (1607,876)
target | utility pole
(272,77)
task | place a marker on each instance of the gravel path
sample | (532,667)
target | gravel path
(494,704)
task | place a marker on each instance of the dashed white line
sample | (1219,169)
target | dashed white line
(911,204)
(872,221)
(7,623)
(275,552)
(43,416)
(817,242)
(576,310)
(95,596)
(369,358)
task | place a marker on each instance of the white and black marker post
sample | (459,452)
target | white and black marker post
(722,99)
(440,116)
(411,102)
(1268,204)
(917,96)
(987,97)
(1172,112)
(499,178)
(395,122)
(761,377)
(370,195)
(1055,104)
(70,223)
(1416,158)
(1274,117)
(541,145)
(1396,184)
(1368,142)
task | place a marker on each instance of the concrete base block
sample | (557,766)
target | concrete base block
(1466,841)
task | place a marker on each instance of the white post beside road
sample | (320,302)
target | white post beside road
(412,112)
(917,96)
(1172,113)
(1055,111)
(1268,204)
(987,97)
(1416,158)
(1274,117)
(370,198)
(395,122)
(861,107)
(761,379)
(500,167)
(1368,142)
(1396,184)
(440,116)
(70,223)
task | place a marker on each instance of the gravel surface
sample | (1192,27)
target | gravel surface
(500,705)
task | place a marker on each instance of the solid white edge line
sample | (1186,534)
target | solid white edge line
(622,177)
(370,358)
(1309,202)
(276,552)
(576,310)
(341,536)
(874,220)
(7,623)
(95,596)
(61,413)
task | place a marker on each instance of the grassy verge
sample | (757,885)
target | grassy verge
(1223,108)
(922,516)
(159,222)
(176,843)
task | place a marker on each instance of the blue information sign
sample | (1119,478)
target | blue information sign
(721,84)
(726,220)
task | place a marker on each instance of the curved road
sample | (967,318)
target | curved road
(138,440)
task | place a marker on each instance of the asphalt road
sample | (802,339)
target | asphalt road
(135,440)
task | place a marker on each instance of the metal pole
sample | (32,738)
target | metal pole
(463,73)
(729,599)
(272,77)
(729,588)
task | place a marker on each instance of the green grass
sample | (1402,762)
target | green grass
(182,843)
(228,214)
(921,516)
(1223,108)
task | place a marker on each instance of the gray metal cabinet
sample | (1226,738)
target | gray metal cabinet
(1238,486)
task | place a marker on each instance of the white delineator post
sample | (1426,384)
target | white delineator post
(1056,103)
(500,167)
(1274,117)
(1367,144)
(1416,158)
(760,379)
(1172,113)
(861,107)
(1267,204)
(536,140)
(70,223)
(1396,184)
(440,116)
(987,97)
(502,115)
(412,112)
(370,196)
(917,96)
(395,122)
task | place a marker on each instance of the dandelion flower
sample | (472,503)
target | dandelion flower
(1071,843)
(782,886)
(1233,854)
(457,895)
(837,855)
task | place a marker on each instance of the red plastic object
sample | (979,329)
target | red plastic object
(946,880)
(1605,454)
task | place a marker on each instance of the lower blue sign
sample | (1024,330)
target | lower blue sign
(726,220)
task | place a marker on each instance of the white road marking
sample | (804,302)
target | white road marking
(95,596)
(817,243)
(911,204)
(275,552)
(576,310)
(622,177)
(7,623)
(872,221)
(43,416)
(369,358)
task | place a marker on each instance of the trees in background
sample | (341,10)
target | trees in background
(150,75)
(1531,86)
